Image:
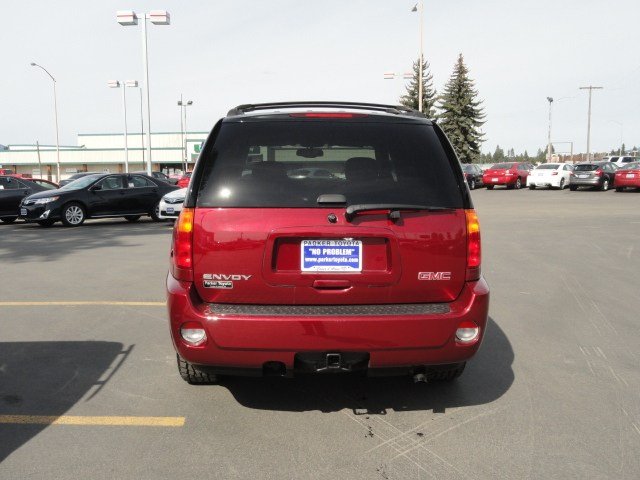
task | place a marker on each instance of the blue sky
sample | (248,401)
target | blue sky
(223,53)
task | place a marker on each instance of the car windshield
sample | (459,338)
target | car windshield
(586,167)
(81,182)
(502,165)
(367,163)
(548,166)
(467,168)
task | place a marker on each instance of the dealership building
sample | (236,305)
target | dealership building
(104,153)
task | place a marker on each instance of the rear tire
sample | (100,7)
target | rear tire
(489,187)
(472,185)
(193,375)
(133,218)
(619,189)
(8,219)
(532,187)
(562,184)
(446,375)
(605,185)
(518,184)
(155,213)
(573,188)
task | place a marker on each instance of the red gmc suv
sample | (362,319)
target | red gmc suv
(374,267)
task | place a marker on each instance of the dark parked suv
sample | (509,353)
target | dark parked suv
(375,267)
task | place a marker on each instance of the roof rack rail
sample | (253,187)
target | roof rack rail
(394,109)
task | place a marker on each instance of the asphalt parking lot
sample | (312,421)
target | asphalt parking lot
(91,390)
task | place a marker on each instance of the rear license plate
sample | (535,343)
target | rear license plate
(331,255)
(23,212)
(494,179)
(170,210)
(582,176)
(630,175)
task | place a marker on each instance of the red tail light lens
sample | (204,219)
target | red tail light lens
(473,246)
(328,115)
(554,173)
(182,248)
(598,173)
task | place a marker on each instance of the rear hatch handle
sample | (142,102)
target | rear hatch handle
(393,209)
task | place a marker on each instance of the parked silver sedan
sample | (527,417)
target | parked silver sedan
(597,175)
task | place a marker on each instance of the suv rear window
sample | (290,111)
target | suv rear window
(291,163)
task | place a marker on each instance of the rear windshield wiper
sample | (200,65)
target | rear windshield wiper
(393,208)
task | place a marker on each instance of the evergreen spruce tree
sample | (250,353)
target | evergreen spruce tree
(429,95)
(462,114)
(498,155)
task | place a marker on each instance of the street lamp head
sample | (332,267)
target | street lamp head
(113,84)
(131,83)
(160,17)
(33,64)
(190,102)
(550,99)
(127,17)
(179,103)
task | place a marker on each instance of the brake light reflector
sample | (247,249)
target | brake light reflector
(473,246)
(598,172)
(328,115)
(182,248)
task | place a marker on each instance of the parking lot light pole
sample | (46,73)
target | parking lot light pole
(124,85)
(183,127)
(549,147)
(591,89)
(158,17)
(55,109)
(419,7)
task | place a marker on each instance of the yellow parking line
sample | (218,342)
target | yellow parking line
(74,304)
(93,421)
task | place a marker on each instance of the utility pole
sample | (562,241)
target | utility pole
(419,7)
(591,89)
(39,161)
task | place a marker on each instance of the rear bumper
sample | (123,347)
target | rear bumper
(240,342)
(586,182)
(627,182)
(499,179)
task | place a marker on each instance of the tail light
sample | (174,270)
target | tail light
(554,172)
(598,173)
(182,247)
(473,246)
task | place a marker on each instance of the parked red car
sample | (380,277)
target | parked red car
(375,268)
(628,176)
(511,174)
(184,180)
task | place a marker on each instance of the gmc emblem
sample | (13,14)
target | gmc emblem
(434,275)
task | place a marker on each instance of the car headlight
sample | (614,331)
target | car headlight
(42,201)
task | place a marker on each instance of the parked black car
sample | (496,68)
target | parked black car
(12,191)
(597,175)
(76,176)
(97,196)
(473,175)
(161,176)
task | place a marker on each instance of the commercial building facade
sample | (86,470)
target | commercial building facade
(104,152)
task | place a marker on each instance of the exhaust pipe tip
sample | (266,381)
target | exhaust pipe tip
(419,378)
(274,369)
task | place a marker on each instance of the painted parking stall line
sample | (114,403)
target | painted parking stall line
(108,421)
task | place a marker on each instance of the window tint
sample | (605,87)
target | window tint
(112,183)
(586,167)
(140,182)
(46,185)
(259,164)
(502,165)
(547,166)
(8,183)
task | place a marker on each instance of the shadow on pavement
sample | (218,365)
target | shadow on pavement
(49,244)
(487,377)
(47,378)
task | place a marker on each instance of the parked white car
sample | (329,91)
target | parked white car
(551,175)
(171,204)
